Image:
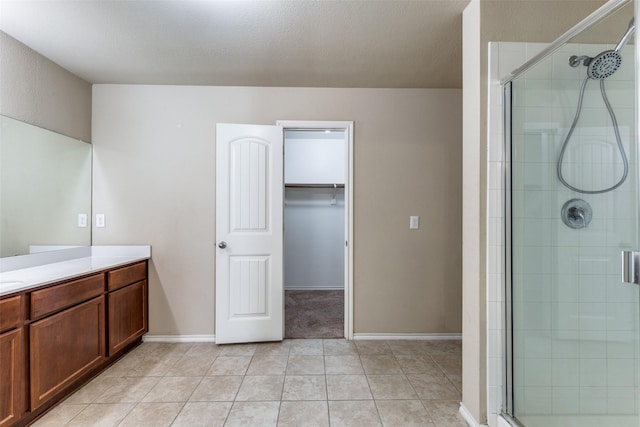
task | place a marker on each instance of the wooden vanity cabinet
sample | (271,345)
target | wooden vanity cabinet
(12,361)
(55,338)
(127,300)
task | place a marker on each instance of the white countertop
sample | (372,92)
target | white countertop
(100,258)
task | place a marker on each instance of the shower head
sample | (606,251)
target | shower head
(623,41)
(601,66)
(606,63)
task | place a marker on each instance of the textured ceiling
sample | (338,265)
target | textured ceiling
(372,43)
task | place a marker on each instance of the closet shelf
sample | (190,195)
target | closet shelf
(314,185)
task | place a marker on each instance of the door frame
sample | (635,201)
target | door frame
(347,127)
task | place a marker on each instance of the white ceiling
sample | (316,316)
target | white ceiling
(343,43)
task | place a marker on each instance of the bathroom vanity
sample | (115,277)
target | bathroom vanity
(62,323)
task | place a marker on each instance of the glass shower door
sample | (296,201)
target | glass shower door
(573,211)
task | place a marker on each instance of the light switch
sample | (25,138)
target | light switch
(82,220)
(414,222)
(99,220)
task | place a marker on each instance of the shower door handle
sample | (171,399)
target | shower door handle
(631,267)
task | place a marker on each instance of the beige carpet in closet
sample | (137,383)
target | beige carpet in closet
(314,314)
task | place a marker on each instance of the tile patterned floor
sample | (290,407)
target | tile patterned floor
(293,383)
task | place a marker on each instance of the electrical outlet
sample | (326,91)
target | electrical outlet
(82,220)
(414,222)
(99,220)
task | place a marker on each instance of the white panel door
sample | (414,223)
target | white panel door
(249,253)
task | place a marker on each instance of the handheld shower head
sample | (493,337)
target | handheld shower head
(623,41)
(603,65)
(606,63)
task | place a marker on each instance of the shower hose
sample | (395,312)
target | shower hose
(616,131)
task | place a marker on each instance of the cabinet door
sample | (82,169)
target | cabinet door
(12,385)
(127,315)
(64,347)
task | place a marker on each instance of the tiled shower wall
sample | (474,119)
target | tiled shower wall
(576,324)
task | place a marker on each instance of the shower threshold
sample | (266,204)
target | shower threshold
(579,420)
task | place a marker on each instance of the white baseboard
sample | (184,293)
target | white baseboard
(468,418)
(179,338)
(371,336)
(382,336)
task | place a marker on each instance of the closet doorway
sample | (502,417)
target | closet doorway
(317,229)
(250,206)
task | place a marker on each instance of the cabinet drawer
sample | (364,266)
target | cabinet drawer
(52,299)
(127,275)
(10,313)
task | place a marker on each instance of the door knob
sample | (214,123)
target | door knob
(222,244)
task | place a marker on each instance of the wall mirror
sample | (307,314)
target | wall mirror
(45,190)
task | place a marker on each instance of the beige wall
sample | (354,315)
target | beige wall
(154,152)
(486,21)
(37,91)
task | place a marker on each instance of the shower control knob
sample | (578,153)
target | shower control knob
(576,213)
(222,244)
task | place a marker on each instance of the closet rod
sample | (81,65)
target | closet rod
(314,185)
